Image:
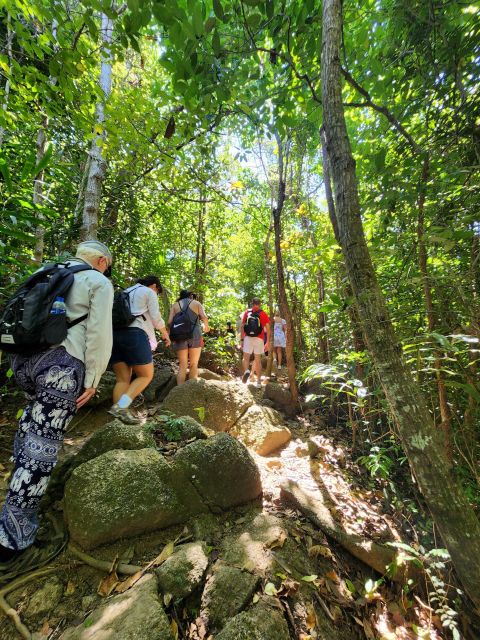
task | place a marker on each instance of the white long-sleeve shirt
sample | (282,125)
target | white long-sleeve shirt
(90,340)
(144,302)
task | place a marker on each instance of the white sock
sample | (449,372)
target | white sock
(124,402)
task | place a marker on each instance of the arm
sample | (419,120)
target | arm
(156,316)
(203,316)
(242,331)
(171,314)
(267,331)
(98,337)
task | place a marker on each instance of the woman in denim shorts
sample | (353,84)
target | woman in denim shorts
(188,351)
(133,346)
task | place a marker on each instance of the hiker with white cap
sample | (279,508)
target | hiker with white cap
(59,371)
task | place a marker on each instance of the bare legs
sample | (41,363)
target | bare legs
(186,356)
(256,367)
(123,373)
(279,355)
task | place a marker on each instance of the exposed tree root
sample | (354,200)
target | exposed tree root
(9,611)
(375,555)
(103,565)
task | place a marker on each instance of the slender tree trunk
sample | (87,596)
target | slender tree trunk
(38,190)
(97,166)
(357,334)
(282,293)
(445,416)
(453,515)
(322,336)
(6,90)
(268,273)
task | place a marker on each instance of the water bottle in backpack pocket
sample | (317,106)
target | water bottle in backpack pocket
(56,327)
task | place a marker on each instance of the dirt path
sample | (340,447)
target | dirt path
(329,599)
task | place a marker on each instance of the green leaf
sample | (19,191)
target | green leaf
(5,171)
(311,578)
(19,414)
(198,19)
(270,589)
(9,373)
(217,48)
(218,9)
(43,162)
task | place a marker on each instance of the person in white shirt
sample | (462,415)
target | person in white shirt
(133,346)
(57,382)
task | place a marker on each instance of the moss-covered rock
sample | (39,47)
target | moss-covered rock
(228,591)
(179,429)
(182,573)
(220,403)
(123,493)
(260,622)
(221,470)
(136,614)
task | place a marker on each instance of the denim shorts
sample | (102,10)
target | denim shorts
(131,346)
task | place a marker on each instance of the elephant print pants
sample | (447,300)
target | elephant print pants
(53,380)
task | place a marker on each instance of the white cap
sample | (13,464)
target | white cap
(97,246)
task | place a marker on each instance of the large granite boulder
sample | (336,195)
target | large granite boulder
(222,471)
(136,614)
(262,429)
(219,404)
(125,493)
(206,374)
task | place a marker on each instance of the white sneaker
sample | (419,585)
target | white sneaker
(124,415)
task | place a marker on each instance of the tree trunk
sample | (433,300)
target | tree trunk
(38,191)
(453,515)
(268,273)
(6,90)
(357,335)
(97,165)
(282,293)
(445,416)
(322,337)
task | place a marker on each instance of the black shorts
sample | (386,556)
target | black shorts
(131,346)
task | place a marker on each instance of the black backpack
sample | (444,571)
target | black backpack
(122,316)
(27,325)
(252,326)
(182,326)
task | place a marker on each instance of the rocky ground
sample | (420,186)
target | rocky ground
(222,517)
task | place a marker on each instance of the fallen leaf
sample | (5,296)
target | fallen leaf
(311,620)
(278,542)
(129,582)
(46,630)
(319,550)
(270,589)
(311,578)
(70,588)
(174,628)
(167,598)
(108,584)
(288,587)
(255,598)
(274,464)
(331,575)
